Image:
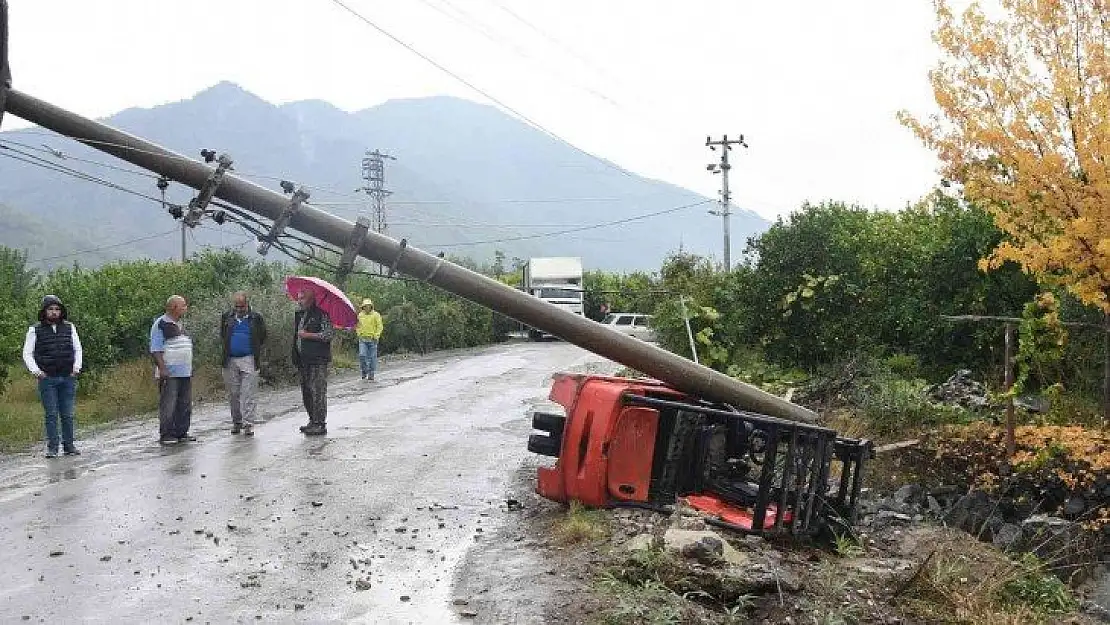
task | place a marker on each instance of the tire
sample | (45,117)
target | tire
(534,335)
(549,422)
(543,445)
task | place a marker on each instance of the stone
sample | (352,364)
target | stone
(704,546)
(908,494)
(362,584)
(886,518)
(639,542)
(1074,506)
(1008,537)
(707,550)
(971,512)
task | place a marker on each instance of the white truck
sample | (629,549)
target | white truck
(556,280)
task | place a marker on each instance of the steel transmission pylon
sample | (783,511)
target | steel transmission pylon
(373,173)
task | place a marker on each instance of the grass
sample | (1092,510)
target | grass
(581,525)
(848,546)
(970,582)
(653,586)
(126,390)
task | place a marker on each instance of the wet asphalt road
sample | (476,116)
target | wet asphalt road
(279,527)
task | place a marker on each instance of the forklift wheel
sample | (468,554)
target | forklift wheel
(543,445)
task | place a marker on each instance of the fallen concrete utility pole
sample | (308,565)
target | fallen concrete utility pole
(678,372)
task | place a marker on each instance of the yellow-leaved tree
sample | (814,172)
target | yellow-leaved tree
(1023,88)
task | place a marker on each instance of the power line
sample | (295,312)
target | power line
(579,228)
(105,247)
(553,40)
(479,90)
(244,174)
(469,21)
(37,161)
(59,154)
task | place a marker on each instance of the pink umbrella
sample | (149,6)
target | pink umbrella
(328,297)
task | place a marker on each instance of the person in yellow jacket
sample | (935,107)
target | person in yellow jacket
(369,330)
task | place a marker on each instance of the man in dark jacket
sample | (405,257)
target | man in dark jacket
(52,353)
(312,337)
(242,333)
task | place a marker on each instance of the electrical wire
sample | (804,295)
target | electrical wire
(579,228)
(469,21)
(589,63)
(32,159)
(102,248)
(59,154)
(479,90)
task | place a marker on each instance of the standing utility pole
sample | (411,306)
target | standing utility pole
(373,172)
(723,168)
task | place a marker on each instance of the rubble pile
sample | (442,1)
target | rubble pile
(960,390)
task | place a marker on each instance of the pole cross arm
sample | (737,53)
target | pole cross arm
(198,204)
(350,252)
(299,197)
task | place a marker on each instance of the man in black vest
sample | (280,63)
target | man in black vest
(52,353)
(312,337)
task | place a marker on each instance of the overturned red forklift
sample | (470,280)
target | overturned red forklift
(624,442)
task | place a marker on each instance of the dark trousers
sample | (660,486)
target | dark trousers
(58,395)
(175,407)
(314,391)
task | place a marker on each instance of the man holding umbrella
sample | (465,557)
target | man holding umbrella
(321,307)
(311,356)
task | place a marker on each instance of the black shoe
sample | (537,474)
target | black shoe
(315,429)
(236,428)
(51,453)
(305,427)
(166,440)
(188,438)
(248,430)
(72,451)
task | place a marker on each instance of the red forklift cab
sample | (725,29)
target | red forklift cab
(642,443)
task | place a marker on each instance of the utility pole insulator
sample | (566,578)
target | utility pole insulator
(299,197)
(198,204)
(350,251)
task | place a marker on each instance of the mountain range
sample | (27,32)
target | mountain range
(467,180)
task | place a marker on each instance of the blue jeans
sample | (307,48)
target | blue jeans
(368,357)
(58,395)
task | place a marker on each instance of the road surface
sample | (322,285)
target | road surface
(369,524)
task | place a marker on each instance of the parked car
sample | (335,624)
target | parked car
(632,324)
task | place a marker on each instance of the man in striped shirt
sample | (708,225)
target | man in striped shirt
(172,351)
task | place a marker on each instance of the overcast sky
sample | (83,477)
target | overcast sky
(813,85)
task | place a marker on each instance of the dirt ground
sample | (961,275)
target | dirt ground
(901,573)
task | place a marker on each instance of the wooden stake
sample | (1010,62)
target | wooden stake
(1106,372)
(1009,385)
